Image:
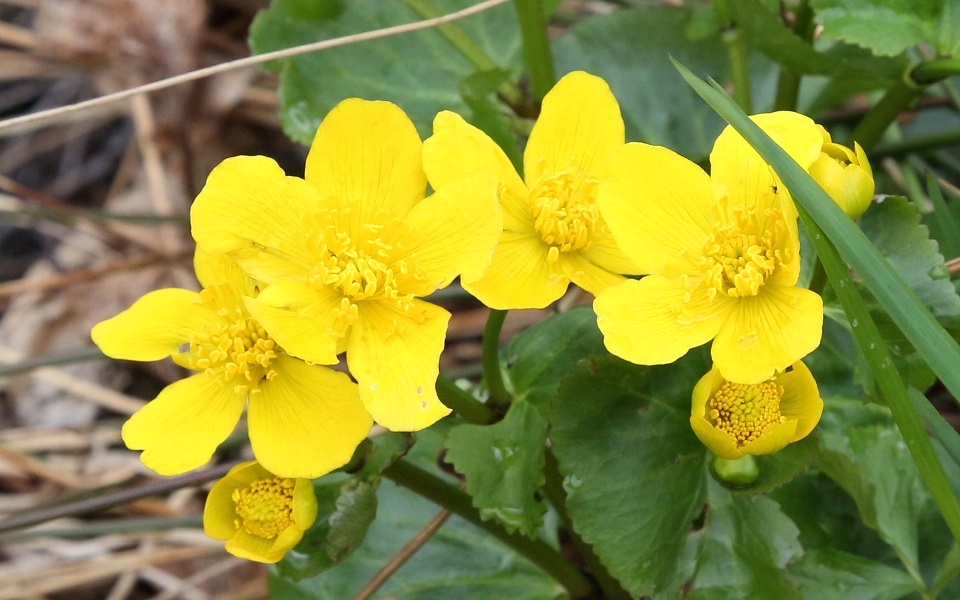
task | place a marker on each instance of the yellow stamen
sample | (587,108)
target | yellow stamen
(743,251)
(746,411)
(565,212)
(265,508)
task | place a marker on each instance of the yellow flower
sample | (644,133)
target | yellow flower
(553,232)
(345,252)
(303,420)
(735,419)
(845,175)
(722,254)
(260,515)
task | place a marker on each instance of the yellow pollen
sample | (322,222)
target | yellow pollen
(746,411)
(742,252)
(565,212)
(360,269)
(265,508)
(238,351)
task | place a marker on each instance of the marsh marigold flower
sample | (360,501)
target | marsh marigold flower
(736,419)
(722,253)
(553,232)
(260,515)
(345,253)
(845,175)
(303,420)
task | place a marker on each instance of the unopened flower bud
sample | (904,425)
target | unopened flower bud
(845,175)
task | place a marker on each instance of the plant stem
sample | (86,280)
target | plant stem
(65,358)
(897,98)
(888,380)
(536,46)
(96,529)
(535,550)
(935,70)
(918,144)
(463,403)
(499,396)
(454,34)
(788,83)
(737,54)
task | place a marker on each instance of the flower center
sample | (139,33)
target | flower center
(746,411)
(565,213)
(265,508)
(740,255)
(239,350)
(361,269)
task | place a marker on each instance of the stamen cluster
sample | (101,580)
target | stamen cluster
(265,507)
(746,411)
(565,214)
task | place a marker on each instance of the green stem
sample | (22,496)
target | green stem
(499,396)
(454,34)
(917,144)
(553,488)
(894,101)
(818,280)
(536,46)
(788,83)
(90,530)
(888,380)
(66,358)
(945,434)
(935,70)
(535,550)
(463,403)
(736,47)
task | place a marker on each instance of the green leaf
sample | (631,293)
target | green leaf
(745,546)
(633,470)
(459,561)
(893,225)
(346,507)
(873,465)
(780,468)
(503,465)
(384,450)
(886,27)
(629,50)
(539,357)
(828,574)
(479,92)
(419,70)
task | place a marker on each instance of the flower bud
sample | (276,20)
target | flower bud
(845,175)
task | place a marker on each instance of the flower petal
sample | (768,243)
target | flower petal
(767,333)
(306,421)
(453,232)
(773,439)
(590,277)
(250,209)
(155,326)
(263,550)
(394,355)
(457,149)
(519,275)
(220,509)
(737,171)
(305,502)
(716,440)
(181,428)
(659,207)
(303,320)
(213,270)
(366,158)
(605,252)
(642,320)
(579,127)
(801,400)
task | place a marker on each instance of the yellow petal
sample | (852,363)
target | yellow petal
(801,400)
(774,439)
(155,326)
(716,440)
(394,355)
(306,322)
(587,275)
(738,172)
(306,421)
(305,503)
(456,149)
(219,511)
(181,428)
(604,252)
(648,323)
(453,232)
(579,127)
(213,270)
(519,275)
(767,333)
(366,158)
(659,207)
(263,550)
(248,204)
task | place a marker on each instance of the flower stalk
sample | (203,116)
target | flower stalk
(493,375)
(536,46)
(463,403)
